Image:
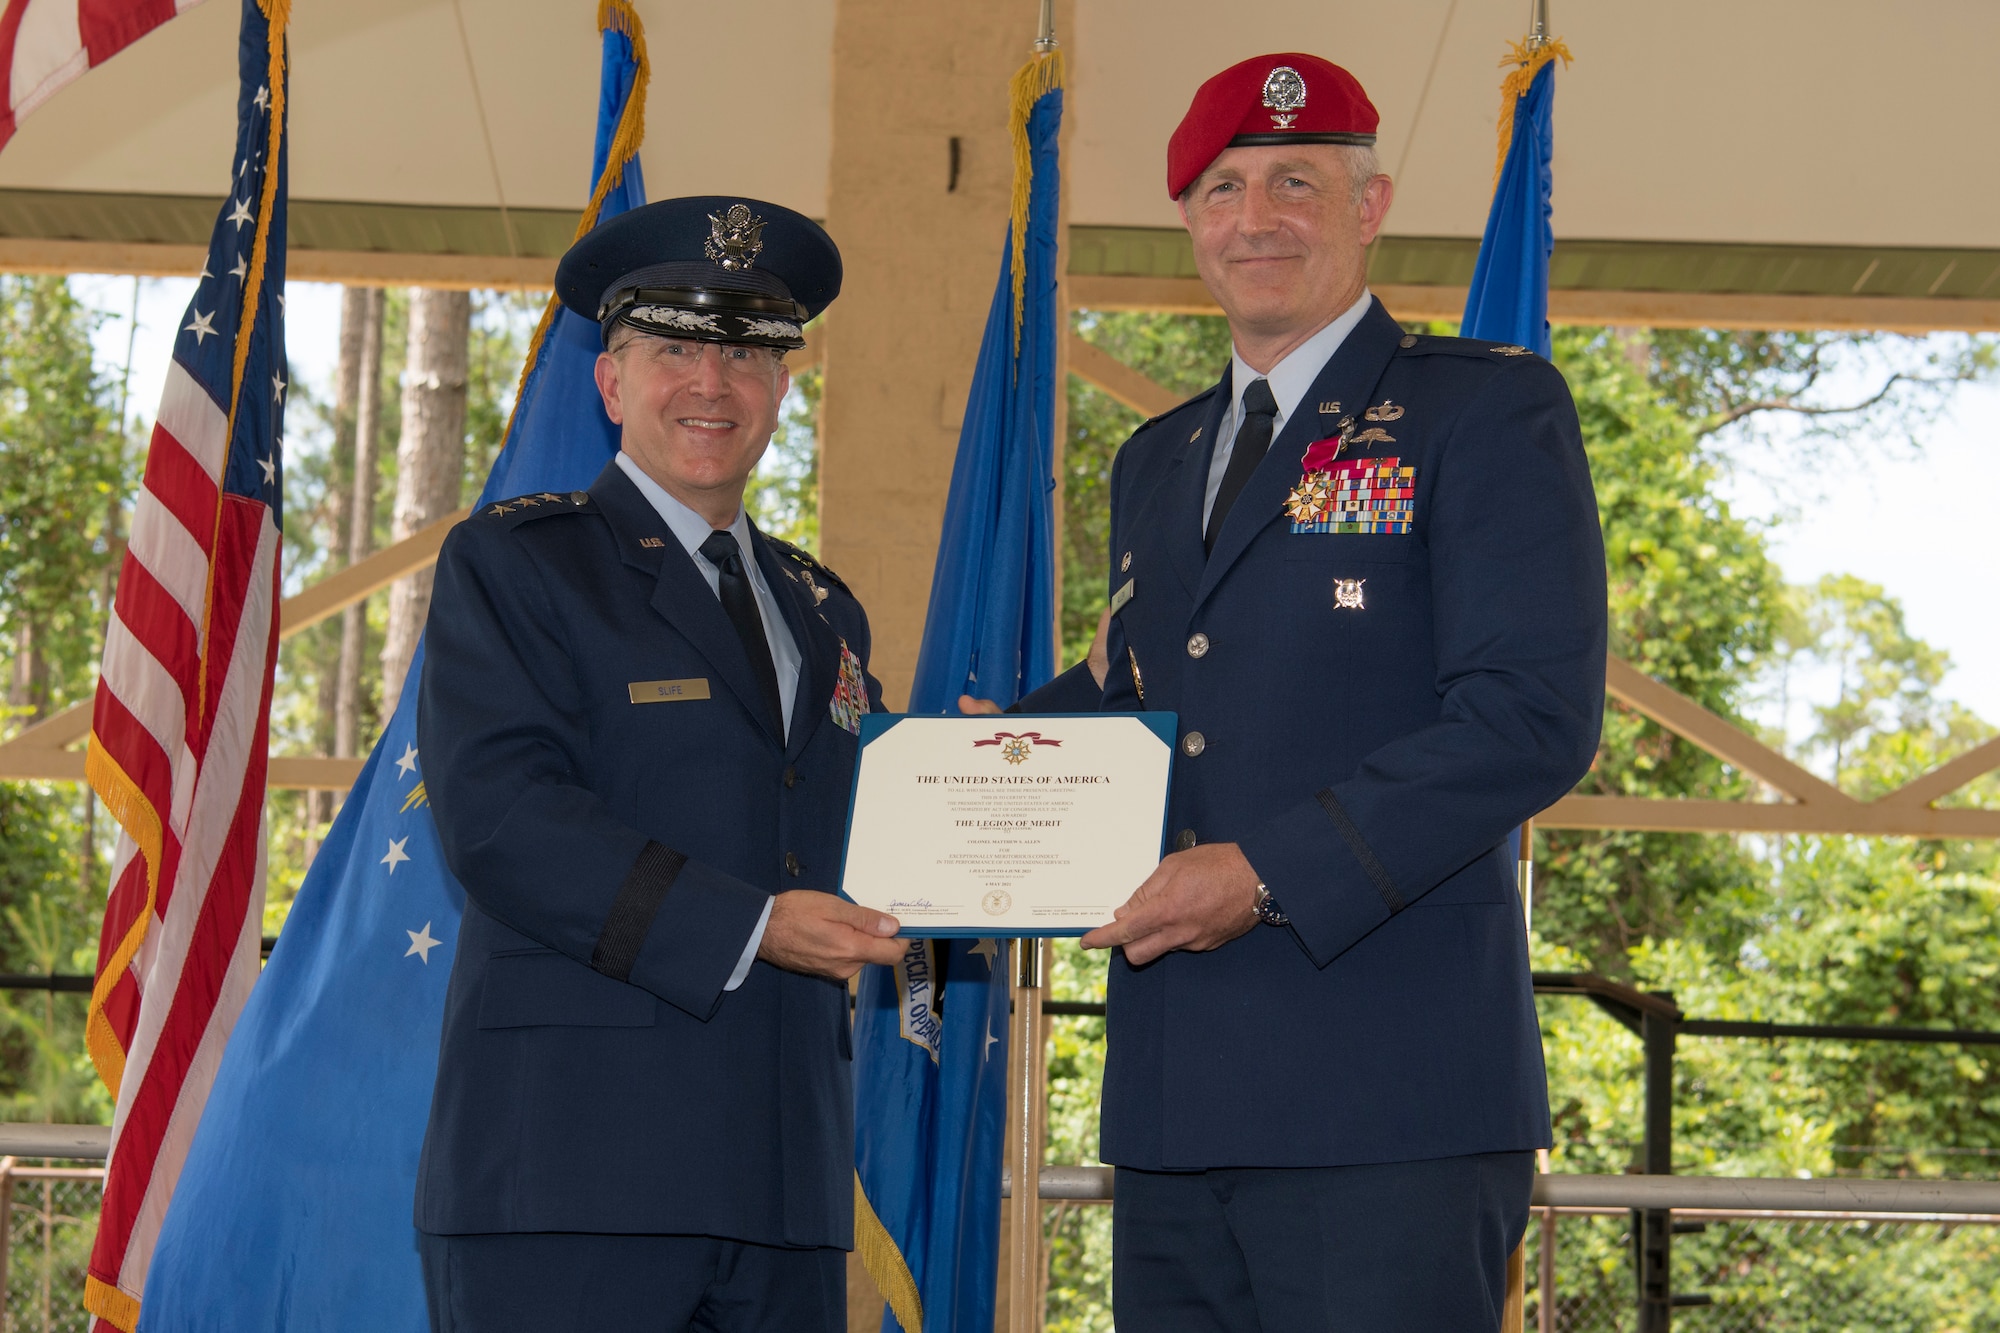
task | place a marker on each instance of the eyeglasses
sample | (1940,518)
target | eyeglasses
(684,355)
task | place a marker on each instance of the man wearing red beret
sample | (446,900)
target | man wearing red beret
(1365,571)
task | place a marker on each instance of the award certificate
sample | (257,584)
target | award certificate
(1016,824)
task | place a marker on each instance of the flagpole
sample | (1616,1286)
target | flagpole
(1029,1125)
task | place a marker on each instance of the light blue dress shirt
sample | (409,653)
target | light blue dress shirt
(1290,379)
(691,530)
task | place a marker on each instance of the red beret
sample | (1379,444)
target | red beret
(1285,98)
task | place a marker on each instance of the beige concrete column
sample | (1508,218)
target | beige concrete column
(922,252)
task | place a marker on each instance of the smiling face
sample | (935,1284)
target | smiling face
(1280,238)
(696,416)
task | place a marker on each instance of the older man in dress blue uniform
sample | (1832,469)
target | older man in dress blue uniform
(1365,570)
(638,718)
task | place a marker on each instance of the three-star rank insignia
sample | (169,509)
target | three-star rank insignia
(1347,594)
(1509,349)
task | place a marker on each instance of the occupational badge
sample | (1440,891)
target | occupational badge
(1347,594)
(1284,94)
(1373,435)
(805,576)
(1386,411)
(850,692)
(735,239)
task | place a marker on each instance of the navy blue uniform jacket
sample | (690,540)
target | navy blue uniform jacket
(594,1075)
(1370,760)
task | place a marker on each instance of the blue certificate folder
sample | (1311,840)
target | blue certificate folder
(876,725)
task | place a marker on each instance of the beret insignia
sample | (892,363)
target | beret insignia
(1284,94)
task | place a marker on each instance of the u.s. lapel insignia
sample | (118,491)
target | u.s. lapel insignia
(1197,435)
(850,692)
(1385,411)
(651,543)
(1329,409)
(1347,594)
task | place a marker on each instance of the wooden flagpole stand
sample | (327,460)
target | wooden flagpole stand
(1027,1104)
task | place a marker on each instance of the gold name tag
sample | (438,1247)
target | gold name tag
(668,691)
(1122,596)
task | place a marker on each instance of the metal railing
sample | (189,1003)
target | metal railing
(51,1215)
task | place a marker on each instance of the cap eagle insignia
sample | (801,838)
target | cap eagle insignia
(735,239)
(1284,94)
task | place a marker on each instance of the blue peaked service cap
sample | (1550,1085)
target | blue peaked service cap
(716,268)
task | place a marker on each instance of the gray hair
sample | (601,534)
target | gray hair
(1362,166)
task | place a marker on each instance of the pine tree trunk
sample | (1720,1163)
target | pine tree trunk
(29,688)
(360,534)
(339,501)
(430,458)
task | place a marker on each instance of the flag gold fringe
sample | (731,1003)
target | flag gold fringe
(1526,65)
(1042,74)
(136,815)
(110,1304)
(885,1263)
(612,16)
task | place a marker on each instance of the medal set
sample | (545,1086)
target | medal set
(850,692)
(1358,495)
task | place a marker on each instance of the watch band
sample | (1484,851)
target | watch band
(1267,909)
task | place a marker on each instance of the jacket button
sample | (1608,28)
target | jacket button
(792,866)
(791,776)
(1193,744)
(1198,645)
(1185,840)
(1409,340)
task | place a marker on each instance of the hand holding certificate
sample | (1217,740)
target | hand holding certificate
(1009,825)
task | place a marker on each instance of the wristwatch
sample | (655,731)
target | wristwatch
(1267,909)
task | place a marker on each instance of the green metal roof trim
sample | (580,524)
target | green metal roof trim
(1643,266)
(314,224)
(1139,252)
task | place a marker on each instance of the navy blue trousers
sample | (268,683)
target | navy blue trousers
(1407,1247)
(550,1282)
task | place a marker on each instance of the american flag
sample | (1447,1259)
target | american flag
(44,44)
(179,731)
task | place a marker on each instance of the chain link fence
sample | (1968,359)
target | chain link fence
(1736,1273)
(51,1221)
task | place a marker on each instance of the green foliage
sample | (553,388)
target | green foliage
(62,482)
(783,494)
(1184,352)
(1834,385)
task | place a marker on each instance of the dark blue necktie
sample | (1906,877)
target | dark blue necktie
(739,601)
(1253,441)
